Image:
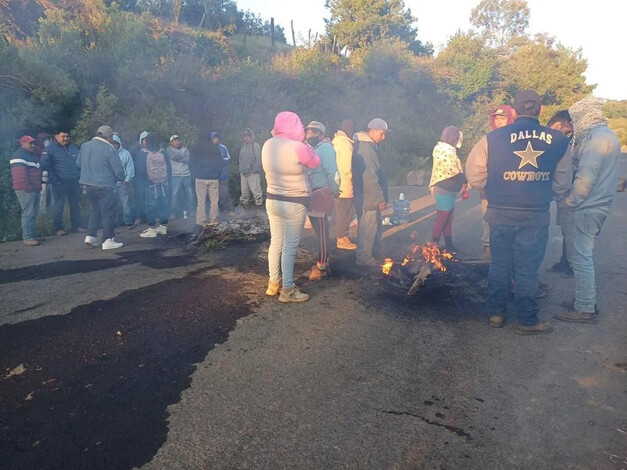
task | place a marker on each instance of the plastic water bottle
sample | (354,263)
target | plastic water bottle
(401,210)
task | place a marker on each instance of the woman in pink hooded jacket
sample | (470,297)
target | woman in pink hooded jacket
(285,160)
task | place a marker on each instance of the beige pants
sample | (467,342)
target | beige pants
(251,183)
(206,188)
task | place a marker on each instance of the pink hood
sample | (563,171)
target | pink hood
(289,126)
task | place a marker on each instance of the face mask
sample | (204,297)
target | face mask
(313,141)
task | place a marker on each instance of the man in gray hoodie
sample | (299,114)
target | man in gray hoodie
(596,151)
(250,169)
(370,191)
(181,182)
(101,169)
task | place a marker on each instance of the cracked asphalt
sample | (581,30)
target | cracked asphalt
(162,355)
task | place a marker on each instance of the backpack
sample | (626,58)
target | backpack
(156,167)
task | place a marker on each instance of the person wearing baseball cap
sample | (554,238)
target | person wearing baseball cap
(324,181)
(101,169)
(26,176)
(181,182)
(502,116)
(521,167)
(370,191)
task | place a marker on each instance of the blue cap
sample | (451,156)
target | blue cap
(213,135)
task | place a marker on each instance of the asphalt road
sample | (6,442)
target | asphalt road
(161,355)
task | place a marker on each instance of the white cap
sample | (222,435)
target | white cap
(172,137)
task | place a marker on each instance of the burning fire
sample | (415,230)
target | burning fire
(386,267)
(430,252)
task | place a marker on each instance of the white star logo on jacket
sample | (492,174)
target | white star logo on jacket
(529,156)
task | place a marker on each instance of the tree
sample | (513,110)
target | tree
(554,71)
(358,23)
(499,21)
(467,67)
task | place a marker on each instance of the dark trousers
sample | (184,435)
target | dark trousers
(517,250)
(157,204)
(321,227)
(103,204)
(225,200)
(66,191)
(139,198)
(345,213)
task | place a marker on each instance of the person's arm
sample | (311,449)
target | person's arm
(115,163)
(477,165)
(373,178)
(257,152)
(344,157)
(172,154)
(45,163)
(185,156)
(129,168)
(563,176)
(225,153)
(590,161)
(19,173)
(307,156)
(329,167)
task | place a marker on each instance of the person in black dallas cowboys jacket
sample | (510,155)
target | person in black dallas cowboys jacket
(521,167)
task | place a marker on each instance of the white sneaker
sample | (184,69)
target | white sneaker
(149,233)
(161,229)
(91,241)
(111,244)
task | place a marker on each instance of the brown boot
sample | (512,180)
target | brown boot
(273,287)
(539,328)
(575,316)
(497,321)
(345,243)
(318,273)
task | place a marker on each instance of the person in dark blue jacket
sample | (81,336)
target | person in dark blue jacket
(59,160)
(520,167)
(206,164)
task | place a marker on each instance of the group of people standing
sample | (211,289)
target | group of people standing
(523,166)
(519,167)
(145,183)
(310,175)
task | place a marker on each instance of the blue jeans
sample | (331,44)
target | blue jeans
(581,229)
(157,204)
(29,202)
(369,236)
(123,192)
(66,191)
(182,188)
(517,250)
(287,221)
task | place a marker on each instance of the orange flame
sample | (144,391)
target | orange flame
(386,267)
(429,251)
(432,254)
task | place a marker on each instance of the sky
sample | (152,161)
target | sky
(596,29)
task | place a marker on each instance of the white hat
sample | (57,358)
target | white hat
(172,137)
